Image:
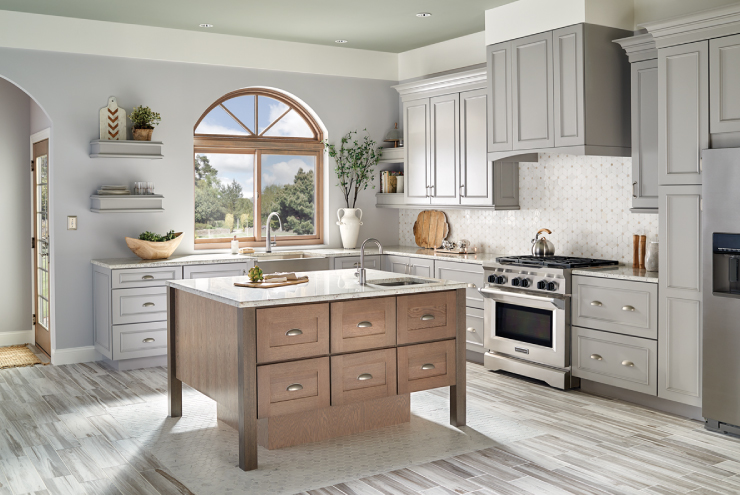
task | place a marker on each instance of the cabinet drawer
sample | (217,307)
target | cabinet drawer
(363,376)
(288,388)
(619,360)
(463,272)
(215,270)
(292,332)
(139,305)
(425,366)
(139,340)
(364,324)
(371,262)
(425,317)
(621,306)
(144,277)
(474,326)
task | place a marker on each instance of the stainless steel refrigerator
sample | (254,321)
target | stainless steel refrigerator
(721,289)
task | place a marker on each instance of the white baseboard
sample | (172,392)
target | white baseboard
(18,337)
(75,355)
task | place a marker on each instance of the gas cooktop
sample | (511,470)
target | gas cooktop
(563,262)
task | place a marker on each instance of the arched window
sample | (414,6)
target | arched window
(257,151)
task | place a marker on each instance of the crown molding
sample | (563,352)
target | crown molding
(640,47)
(697,26)
(450,83)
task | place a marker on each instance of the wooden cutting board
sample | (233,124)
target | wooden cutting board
(430,229)
(267,285)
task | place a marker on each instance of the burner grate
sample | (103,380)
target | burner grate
(554,261)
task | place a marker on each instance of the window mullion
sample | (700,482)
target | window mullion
(257,195)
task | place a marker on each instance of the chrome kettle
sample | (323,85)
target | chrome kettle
(541,246)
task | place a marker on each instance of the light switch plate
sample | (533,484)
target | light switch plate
(71,223)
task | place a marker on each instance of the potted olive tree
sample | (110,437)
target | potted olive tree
(143,121)
(355,164)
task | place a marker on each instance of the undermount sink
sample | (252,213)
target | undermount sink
(400,283)
(285,256)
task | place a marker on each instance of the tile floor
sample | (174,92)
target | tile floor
(91,430)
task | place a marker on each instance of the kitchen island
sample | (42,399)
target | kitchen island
(304,363)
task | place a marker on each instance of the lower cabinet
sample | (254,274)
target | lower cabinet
(371,262)
(406,265)
(425,366)
(474,329)
(363,376)
(287,388)
(140,340)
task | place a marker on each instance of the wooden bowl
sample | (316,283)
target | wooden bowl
(148,250)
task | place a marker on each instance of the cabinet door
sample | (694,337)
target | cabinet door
(371,262)
(468,273)
(498,61)
(683,112)
(476,183)
(724,90)
(421,267)
(396,264)
(416,135)
(444,117)
(212,271)
(570,129)
(680,295)
(645,135)
(531,86)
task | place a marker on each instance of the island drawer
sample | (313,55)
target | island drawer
(292,332)
(363,376)
(144,277)
(363,324)
(287,388)
(621,306)
(139,340)
(139,305)
(426,317)
(618,360)
(425,366)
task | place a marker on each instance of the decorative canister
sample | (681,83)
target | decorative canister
(651,258)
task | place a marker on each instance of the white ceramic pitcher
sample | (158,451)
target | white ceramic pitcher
(349,226)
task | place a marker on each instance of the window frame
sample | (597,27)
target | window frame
(272,145)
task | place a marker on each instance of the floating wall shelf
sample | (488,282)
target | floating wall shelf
(150,203)
(393,155)
(148,150)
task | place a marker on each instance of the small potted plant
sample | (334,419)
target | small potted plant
(143,120)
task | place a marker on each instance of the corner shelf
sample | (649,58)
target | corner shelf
(389,200)
(148,150)
(150,203)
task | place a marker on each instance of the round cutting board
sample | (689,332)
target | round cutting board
(430,229)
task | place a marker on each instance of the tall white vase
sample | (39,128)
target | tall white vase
(349,226)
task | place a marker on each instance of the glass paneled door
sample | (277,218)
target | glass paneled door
(40,167)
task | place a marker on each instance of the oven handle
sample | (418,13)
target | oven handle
(486,292)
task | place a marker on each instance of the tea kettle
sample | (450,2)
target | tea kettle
(541,246)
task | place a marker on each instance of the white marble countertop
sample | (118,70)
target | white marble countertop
(621,272)
(322,286)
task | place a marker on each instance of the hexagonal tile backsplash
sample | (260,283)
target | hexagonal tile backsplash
(584,200)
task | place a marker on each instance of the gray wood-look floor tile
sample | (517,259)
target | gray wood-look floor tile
(67,485)
(357,488)
(168,485)
(21,475)
(102,451)
(128,480)
(79,425)
(58,435)
(136,455)
(411,479)
(492,485)
(81,465)
(109,427)
(101,487)
(47,462)
(445,478)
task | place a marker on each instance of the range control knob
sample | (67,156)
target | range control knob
(542,285)
(516,281)
(500,279)
(492,279)
(525,282)
(552,286)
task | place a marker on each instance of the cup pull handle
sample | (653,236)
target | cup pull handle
(596,303)
(364,324)
(295,387)
(365,376)
(471,329)
(628,363)
(596,357)
(148,340)
(147,277)
(628,308)
(428,366)
(293,332)
(472,286)
(147,304)
(427,318)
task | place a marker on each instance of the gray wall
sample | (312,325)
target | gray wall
(72,88)
(39,120)
(15,203)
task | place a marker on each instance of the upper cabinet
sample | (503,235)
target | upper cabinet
(444,113)
(416,140)
(562,91)
(724,77)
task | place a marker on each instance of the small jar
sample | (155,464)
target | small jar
(234,246)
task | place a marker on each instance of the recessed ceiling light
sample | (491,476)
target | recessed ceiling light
(424,14)
(341,41)
(205,25)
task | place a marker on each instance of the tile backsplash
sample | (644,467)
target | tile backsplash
(584,200)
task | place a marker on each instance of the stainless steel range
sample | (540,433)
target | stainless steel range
(527,316)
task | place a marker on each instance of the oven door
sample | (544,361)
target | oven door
(527,326)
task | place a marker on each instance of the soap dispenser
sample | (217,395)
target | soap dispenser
(234,246)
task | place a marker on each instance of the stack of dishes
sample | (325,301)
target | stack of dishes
(114,190)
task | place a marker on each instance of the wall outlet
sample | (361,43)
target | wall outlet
(71,223)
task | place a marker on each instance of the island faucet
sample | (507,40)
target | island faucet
(268,242)
(361,272)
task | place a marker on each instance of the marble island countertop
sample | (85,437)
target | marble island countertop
(322,286)
(621,272)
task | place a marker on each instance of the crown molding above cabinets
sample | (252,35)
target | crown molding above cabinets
(442,85)
(698,26)
(639,48)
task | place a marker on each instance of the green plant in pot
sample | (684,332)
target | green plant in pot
(143,120)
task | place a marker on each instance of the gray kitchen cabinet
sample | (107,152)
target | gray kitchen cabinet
(683,111)
(475,328)
(421,267)
(468,273)
(372,262)
(476,182)
(532,92)
(444,156)
(568,88)
(406,265)
(724,80)
(396,264)
(498,63)
(416,135)
(645,136)
(215,270)
(680,289)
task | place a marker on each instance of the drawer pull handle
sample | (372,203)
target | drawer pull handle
(365,376)
(294,332)
(428,366)
(148,340)
(596,357)
(295,387)
(427,318)
(628,308)
(596,303)
(148,304)
(147,277)
(472,286)
(471,329)
(628,363)
(364,324)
